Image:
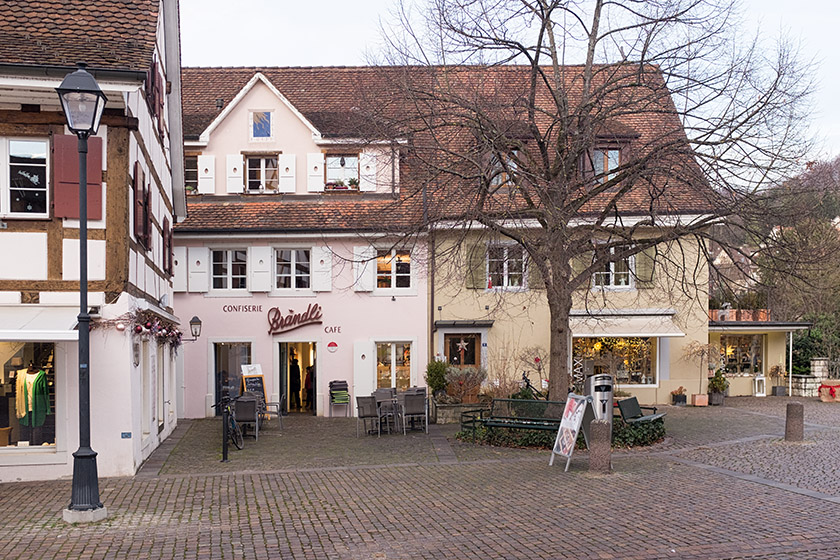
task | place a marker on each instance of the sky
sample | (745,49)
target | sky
(342,33)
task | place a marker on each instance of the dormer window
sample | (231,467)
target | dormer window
(262,173)
(604,162)
(261,126)
(343,171)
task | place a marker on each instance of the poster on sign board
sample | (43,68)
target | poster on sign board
(573,412)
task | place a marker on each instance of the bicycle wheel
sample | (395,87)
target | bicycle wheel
(236,434)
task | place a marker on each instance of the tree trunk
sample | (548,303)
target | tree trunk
(560,344)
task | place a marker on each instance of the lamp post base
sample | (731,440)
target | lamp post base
(85,490)
(84,516)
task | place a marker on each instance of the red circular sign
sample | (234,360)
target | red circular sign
(332,346)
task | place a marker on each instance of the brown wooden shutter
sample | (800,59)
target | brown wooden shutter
(147,217)
(150,85)
(171,254)
(139,201)
(66,174)
(159,100)
(166,247)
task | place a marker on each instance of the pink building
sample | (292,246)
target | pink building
(285,255)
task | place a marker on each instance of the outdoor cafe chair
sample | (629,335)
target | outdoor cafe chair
(366,409)
(414,407)
(246,410)
(388,407)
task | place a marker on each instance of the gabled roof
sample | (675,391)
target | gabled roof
(106,34)
(258,78)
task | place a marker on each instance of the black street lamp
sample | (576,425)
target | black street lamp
(83,102)
(195,327)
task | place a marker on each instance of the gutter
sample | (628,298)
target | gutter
(58,72)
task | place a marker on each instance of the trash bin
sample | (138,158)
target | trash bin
(600,388)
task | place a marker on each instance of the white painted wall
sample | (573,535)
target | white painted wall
(24,255)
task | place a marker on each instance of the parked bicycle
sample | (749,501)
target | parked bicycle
(232,430)
(526,384)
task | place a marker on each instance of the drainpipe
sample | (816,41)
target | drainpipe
(790,366)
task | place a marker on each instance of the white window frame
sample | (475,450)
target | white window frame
(251,136)
(294,277)
(393,273)
(507,247)
(5,179)
(611,276)
(263,186)
(393,365)
(229,252)
(344,178)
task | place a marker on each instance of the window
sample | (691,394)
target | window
(615,274)
(393,365)
(631,360)
(230,269)
(742,354)
(292,269)
(262,173)
(261,126)
(393,269)
(501,174)
(23,183)
(505,267)
(343,170)
(27,368)
(462,349)
(604,161)
(191,173)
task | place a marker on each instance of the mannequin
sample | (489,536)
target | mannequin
(32,400)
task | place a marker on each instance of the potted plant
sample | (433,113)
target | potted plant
(778,375)
(704,354)
(353,183)
(718,384)
(678,396)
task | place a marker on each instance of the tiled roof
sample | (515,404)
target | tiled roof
(106,34)
(281,214)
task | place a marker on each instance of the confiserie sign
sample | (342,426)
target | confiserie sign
(278,322)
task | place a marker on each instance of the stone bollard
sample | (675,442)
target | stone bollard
(795,422)
(599,446)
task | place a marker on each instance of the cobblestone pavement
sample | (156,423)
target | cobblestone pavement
(723,485)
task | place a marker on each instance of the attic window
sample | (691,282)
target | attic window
(260,125)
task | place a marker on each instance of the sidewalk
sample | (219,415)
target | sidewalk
(723,485)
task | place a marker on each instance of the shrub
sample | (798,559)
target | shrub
(637,434)
(462,383)
(436,376)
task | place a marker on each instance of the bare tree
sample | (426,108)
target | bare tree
(590,132)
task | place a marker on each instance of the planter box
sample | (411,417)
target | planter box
(679,400)
(825,390)
(779,391)
(716,399)
(451,413)
(700,400)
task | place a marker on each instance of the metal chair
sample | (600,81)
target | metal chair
(366,409)
(414,407)
(388,407)
(246,410)
(276,408)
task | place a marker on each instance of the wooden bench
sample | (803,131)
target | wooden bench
(632,413)
(523,414)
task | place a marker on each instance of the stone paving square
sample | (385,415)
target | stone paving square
(723,485)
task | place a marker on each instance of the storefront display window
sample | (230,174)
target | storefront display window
(229,359)
(630,360)
(742,354)
(27,394)
(393,365)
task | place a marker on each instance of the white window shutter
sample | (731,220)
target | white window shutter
(179,269)
(235,183)
(364,268)
(207,174)
(198,266)
(259,265)
(315,172)
(286,163)
(321,267)
(364,367)
(367,172)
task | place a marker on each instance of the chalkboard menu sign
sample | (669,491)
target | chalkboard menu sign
(254,383)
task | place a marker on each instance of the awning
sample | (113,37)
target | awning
(38,323)
(589,326)
(757,327)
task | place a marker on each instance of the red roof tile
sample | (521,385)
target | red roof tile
(107,34)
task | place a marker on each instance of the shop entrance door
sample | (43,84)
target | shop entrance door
(298,376)
(229,357)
